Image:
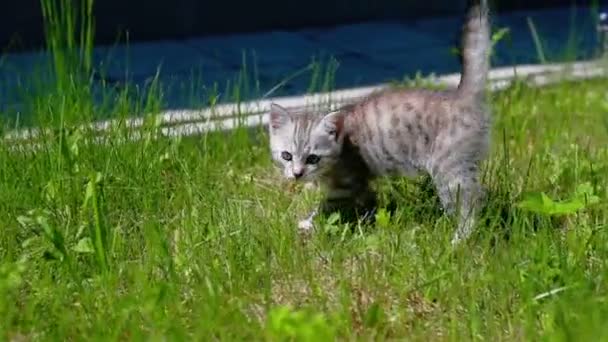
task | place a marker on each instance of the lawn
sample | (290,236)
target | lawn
(194,238)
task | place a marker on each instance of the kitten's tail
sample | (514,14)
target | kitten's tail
(475,49)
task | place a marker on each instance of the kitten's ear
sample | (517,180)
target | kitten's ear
(278,116)
(333,123)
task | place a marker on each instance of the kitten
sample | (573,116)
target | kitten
(397,132)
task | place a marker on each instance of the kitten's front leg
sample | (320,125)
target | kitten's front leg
(307,225)
(310,185)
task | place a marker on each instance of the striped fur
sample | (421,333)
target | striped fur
(398,132)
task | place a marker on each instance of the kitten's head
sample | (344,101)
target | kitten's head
(305,145)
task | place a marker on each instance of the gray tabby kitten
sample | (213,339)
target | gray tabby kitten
(397,132)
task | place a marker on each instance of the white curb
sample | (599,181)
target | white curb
(252,113)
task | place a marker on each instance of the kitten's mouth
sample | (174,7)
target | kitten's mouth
(301,179)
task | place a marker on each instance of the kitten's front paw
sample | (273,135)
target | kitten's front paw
(306,225)
(456,240)
(310,186)
(459,238)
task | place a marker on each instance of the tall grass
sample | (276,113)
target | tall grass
(69,32)
(571,50)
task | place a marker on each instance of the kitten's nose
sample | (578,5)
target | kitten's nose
(298,173)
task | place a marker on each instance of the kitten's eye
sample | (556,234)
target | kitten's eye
(312,159)
(286,155)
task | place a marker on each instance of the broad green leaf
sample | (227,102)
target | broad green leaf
(383,218)
(84,246)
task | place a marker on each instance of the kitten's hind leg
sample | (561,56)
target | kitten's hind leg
(461,194)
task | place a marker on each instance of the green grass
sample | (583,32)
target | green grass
(194,238)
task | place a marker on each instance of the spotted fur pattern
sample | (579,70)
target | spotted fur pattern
(397,132)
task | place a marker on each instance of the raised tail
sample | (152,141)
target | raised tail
(475,49)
